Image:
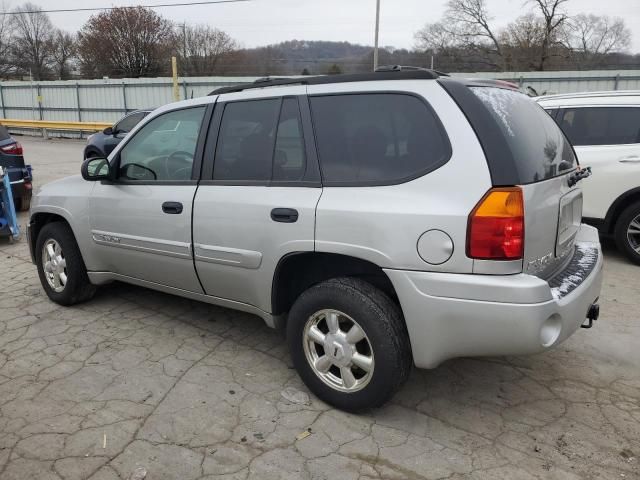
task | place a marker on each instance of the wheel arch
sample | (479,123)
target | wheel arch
(39,220)
(298,271)
(618,206)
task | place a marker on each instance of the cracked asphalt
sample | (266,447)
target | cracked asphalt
(137,382)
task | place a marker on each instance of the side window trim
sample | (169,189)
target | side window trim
(312,173)
(197,159)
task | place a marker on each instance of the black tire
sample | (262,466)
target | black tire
(381,320)
(77,288)
(629,214)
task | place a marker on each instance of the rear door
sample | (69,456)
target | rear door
(542,160)
(607,139)
(257,200)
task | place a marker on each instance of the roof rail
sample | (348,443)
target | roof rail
(400,73)
(410,68)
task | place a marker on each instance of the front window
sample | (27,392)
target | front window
(164,148)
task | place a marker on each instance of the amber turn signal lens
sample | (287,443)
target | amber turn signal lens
(495,229)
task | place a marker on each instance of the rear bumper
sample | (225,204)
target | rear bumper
(458,315)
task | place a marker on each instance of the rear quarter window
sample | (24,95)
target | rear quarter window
(377,138)
(539,148)
(601,125)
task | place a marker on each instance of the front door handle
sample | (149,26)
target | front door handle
(284,215)
(630,159)
(172,208)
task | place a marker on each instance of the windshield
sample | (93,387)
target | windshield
(540,149)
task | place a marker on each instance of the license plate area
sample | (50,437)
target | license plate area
(569,220)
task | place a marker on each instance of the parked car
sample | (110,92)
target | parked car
(12,159)
(604,128)
(101,144)
(380,218)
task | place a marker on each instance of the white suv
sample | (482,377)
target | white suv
(382,219)
(604,128)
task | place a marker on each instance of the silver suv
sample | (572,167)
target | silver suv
(383,219)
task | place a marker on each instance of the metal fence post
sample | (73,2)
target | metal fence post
(617,80)
(39,102)
(4,114)
(184,87)
(78,101)
(124,97)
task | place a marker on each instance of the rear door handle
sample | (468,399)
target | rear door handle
(172,208)
(630,159)
(284,215)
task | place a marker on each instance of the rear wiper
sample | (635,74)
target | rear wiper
(578,175)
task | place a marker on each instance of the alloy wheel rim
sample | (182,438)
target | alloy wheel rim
(338,350)
(633,234)
(54,265)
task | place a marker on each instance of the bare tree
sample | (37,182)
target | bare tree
(553,18)
(201,48)
(5,44)
(63,51)
(131,42)
(592,36)
(466,26)
(32,34)
(522,41)
(435,37)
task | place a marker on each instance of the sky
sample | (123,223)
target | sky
(261,22)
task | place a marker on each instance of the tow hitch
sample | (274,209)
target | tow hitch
(592,315)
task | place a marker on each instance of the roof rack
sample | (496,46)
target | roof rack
(395,72)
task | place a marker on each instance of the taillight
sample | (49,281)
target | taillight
(13,149)
(496,226)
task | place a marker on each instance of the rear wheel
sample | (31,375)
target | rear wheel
(61,269)
(349,343)
(627,232)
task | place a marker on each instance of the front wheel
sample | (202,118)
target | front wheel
(349,343)
(61,269)
(627,232)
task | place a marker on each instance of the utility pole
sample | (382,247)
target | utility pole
(375,48)
(176,88)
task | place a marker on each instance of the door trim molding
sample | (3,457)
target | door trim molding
(142,244)
(227,256)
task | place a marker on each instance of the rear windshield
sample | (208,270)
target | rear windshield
(539,148)
(4,133)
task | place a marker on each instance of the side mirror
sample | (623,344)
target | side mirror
(94,169)
(108,131)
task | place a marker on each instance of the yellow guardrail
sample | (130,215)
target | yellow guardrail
(55,125)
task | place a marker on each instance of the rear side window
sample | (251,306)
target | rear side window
(245,143)
(261,141)
(377,139)
(4,133)
(538,147)
(602,125)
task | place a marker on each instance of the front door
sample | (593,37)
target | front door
(141,222)
(259,201)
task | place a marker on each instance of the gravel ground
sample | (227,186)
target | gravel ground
(137,382)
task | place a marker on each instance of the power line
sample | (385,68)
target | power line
(62,10)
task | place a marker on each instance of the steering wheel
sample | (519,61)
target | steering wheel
(182,172)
